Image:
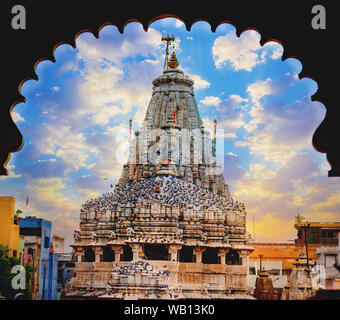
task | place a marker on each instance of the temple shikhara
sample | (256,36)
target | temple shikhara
(170,229)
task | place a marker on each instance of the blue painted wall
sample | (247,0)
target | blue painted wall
(48,268)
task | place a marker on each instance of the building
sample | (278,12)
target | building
(9,235)
(65,264)
(21,248)
(58,244)
(279,258)
(274,271)
(321,233)
(328,258)
(37,234)
(302,282)
(170,229)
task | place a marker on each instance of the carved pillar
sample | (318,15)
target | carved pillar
(118,251)
(173,251)
(79,252)
(244,256)
(198,253)
(222,254)
(135,251)
(98,250)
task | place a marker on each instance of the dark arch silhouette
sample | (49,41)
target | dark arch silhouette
(127,253)
(186,254)
(89,255)
(156,252)
(233,258)
(288,23)
(210,256)
(108,254)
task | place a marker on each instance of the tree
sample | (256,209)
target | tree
(299,218)
(16,216)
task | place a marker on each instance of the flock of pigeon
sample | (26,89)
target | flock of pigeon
(168,190)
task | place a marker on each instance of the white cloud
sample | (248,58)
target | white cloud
(237,98)
(232,154)
(259,89)
(179,23)
(211,101)
(199,83)
(11,173)
(150,61)
(241,53)
(55,89)
(275,87)
(17,117)
(276,54)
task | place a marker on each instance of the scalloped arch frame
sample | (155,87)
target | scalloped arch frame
(14,141)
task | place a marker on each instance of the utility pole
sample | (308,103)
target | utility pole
(305,228)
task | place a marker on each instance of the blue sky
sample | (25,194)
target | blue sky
(77,113)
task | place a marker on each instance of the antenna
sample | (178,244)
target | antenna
(130,125)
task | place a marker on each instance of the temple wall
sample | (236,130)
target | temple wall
(190,276)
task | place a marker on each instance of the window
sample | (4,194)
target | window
(252,271)
(47,242)
(15,253)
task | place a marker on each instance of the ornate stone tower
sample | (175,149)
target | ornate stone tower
(170,229)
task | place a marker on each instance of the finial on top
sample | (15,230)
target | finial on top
(173,62)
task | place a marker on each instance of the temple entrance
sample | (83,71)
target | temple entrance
(89,255)
(186,254)
(233,258)
(209,256)
(156,252)
(108,254)
(127,253)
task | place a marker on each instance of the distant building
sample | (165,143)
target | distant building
(283,252)
(65,264)
(9,235)
(319,232)
(37,234)
(272,268)
(58,244)
(66,267)
(302,282)
(329,258)
(21,249)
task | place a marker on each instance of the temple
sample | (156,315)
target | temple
(170,229)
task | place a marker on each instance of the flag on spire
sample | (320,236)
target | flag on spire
(26,201)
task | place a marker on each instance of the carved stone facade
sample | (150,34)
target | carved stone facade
(300,285)
(171,210)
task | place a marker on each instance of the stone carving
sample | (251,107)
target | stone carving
(76,235)
(226,239)
(179,233)
(112,235)
(130,231)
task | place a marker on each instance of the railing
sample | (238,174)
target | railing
(287,246)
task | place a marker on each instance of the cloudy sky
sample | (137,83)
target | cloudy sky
(75,123)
